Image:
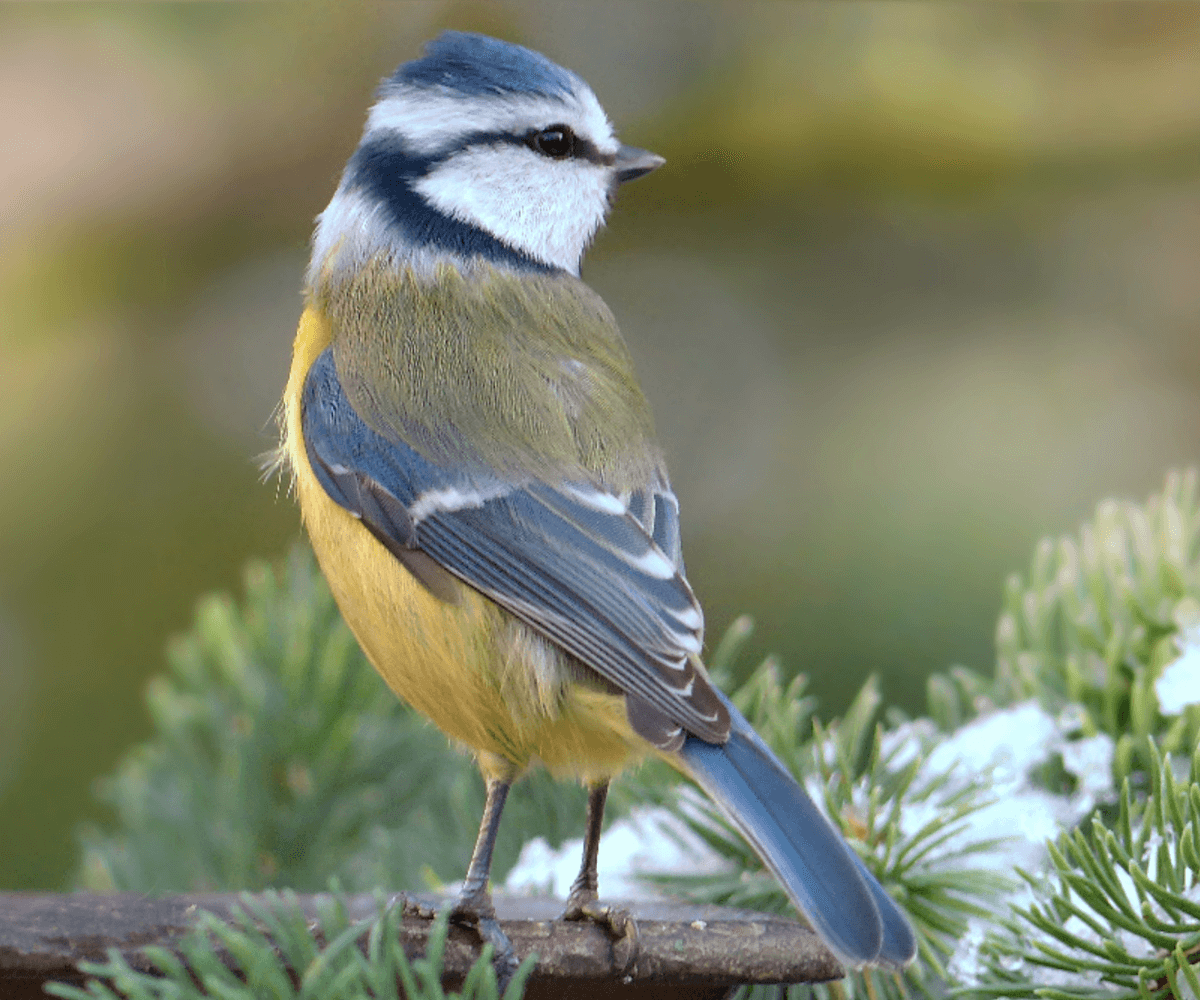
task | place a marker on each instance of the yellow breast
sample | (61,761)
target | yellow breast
(481,676)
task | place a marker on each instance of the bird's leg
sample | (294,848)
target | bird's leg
(582,901)
(584,888)
(474,905)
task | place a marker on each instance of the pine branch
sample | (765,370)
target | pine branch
(1121,915)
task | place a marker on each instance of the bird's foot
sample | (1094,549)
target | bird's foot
(584,904)
(476,910)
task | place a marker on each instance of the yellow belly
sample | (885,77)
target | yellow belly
(482,678)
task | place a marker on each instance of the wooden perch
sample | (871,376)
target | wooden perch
(684,950)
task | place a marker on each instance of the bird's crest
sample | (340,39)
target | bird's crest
(476,65)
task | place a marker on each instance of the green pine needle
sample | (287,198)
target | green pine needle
(275,955)
(1120,914)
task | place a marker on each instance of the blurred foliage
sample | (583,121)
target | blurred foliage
(272,726)
(1099,617)
(277,955)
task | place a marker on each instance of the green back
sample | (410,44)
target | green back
(523,374)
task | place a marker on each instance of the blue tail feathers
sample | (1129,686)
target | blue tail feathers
(823,877)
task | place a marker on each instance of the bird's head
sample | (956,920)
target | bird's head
(481,148)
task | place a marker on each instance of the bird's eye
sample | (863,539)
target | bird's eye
(557,141)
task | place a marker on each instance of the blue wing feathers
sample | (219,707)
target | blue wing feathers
(572,561)
(666,527)
(598,635)
(639,507)
(541,574)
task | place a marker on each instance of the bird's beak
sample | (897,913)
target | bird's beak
(632,163)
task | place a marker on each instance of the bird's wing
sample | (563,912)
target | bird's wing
(599,574)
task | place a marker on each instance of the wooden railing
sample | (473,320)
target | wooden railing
(683,951)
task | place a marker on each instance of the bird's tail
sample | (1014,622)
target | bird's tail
(823,877)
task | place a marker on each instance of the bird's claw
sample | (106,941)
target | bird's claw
(615,920)
(481,916)
(411,907)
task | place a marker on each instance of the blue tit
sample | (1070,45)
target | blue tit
(477,470)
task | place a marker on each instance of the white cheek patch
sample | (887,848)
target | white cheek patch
(430,120)
(549,209)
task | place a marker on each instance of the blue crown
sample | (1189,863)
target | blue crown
(476,64)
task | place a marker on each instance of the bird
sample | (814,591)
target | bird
(478,474)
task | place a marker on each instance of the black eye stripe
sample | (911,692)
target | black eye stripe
(579,147)
(583,148)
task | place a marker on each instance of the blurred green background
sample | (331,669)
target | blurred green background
(918,284)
